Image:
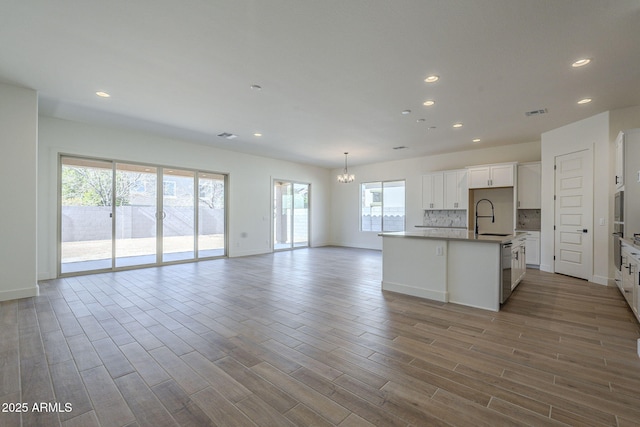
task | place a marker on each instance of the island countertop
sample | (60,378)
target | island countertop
(453,234)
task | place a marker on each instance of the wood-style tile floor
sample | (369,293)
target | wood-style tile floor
(308,338)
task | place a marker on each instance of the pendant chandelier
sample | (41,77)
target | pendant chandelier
(345,177)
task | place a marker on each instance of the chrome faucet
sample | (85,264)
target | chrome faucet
(492,216)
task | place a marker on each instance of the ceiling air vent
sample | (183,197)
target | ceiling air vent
(227,135)
(535,112)
(399,147)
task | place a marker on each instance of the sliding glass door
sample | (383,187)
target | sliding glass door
(290,215)
(136,215)
(211,217)
(86,215)
(178,215)
(122,215)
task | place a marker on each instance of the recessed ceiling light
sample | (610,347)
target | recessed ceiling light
(457,125)
(405,112)
(585,101)
(102,94)
(432,78)
(476,140)
(581,62)
(256,87)
(420,120)
(428,103)
(431,128)
(257,134)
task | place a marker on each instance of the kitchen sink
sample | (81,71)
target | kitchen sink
(495,234)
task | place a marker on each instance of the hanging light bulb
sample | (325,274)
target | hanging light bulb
(345,177)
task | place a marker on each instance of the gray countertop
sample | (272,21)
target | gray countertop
(453,234)
(630,242)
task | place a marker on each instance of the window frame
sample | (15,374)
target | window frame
(382,205)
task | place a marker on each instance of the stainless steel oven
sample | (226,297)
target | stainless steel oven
(618,234)
(618,207)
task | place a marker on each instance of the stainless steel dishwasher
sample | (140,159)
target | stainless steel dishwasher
(506,263)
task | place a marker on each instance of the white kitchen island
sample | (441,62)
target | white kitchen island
(452,265)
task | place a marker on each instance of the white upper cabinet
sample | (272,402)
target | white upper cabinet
(501,175)
(619,178)
(433,191)
(456,194)
(529,175)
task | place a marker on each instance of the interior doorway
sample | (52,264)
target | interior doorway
(290,215)
(573,229)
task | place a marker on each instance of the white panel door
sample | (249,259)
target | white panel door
(573,214)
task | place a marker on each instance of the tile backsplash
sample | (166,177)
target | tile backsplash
(445,218)
(528,219)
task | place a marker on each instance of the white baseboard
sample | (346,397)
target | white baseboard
(236,254)
(600,280)
(45,275)
(416,292)
(19,293)
(546,267)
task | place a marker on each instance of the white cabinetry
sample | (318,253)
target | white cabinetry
(501,175)
(532,245)
(445,190)
(619,178)
(433,191)
(529,175)
(456,195)
(630,276)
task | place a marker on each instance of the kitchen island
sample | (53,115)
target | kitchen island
(453,265)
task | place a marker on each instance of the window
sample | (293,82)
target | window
(382,206)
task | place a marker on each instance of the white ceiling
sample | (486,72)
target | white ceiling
(335,74)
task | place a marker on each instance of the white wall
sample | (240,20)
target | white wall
(18,169)
(250,182)
(591,133)
(345,211)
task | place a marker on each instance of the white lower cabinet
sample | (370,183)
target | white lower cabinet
(532,244)
(631,276)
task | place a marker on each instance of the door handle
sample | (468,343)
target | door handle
(582,230)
